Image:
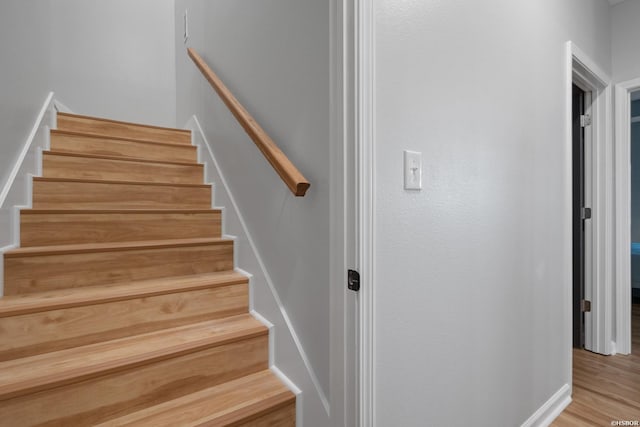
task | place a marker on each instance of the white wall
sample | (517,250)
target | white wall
(471,284)
(275,57)
(24,75)
(115,58)
(625,40)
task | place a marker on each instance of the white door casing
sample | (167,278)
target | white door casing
(599,191)
(623,214)
(364,135)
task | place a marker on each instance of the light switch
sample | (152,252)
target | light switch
(412,170)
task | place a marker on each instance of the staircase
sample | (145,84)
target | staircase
(122,306)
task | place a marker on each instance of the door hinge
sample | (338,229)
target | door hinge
(585,213)
(585,120)
(585,306)
(353,280)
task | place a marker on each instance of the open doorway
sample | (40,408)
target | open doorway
(627,178)
(591,198)
(600,378)
(634,148)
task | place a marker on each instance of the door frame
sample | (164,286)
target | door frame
(585,72)
(344,311)
(585,201)
(363,102)
(623,213)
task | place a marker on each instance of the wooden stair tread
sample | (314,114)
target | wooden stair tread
(83,194)
(115,138)
(114,211)
(101,181)
(103,119)
(119,158)
(65,227)
(108,247)
(103,166)
(66,298)
(109,126)
(113,145)
(123,306)
(228,403)
(45,371)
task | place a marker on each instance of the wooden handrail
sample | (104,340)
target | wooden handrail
(281,163)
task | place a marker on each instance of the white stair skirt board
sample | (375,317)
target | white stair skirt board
(60,107)
(16,192)
(265,302)
(277,372)
(553,407)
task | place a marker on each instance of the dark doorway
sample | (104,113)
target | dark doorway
(580,213)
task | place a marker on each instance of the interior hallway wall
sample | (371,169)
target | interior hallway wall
(274,56)
(25,74)
(625,37)
(115,58)
(471,272)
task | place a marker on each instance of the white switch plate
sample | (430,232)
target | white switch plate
(412,170)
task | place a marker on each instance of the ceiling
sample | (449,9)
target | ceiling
(614,2)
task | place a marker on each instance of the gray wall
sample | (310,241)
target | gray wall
(115,58)
(625,40)
(471,285)
(112,58)
(25,78)
(274,56)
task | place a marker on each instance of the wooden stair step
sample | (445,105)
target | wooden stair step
(60,193)
(113,168)
(67,298)
(94,383)
(122,305)
(255,397)
(55,369)
(80,123)
(55,320)
(45,268)
(85,143)
(40,227)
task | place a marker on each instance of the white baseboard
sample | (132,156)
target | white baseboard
(59,106)
(297,365)
(26,149)
(276,371)
(16,191)
(295,390)
(553,407)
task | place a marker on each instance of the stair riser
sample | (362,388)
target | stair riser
(122,148)
(28,274)
(54,330)
(123,130)
(56,166)
(99,399)
(249,401)
(45,229)
(81,195)
(282,417)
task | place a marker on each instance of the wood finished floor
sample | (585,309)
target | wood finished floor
(605,388)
